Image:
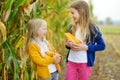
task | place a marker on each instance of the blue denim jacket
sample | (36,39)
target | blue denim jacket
(94,43)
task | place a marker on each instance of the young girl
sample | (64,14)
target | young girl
(41,52)
(81,56)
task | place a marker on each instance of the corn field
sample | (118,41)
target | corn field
(15,63)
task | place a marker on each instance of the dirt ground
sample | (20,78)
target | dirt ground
(107,64)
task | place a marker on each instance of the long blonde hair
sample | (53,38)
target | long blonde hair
(33,26)
(84,21)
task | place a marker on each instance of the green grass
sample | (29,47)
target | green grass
(111,30)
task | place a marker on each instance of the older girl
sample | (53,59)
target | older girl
(81,56)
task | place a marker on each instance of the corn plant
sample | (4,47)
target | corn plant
(14,15)
(15,64)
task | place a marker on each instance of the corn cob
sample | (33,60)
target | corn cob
(69,36)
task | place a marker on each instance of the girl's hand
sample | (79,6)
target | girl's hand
(78,47)
(57,58)
(70,43)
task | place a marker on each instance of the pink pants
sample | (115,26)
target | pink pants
(78,71)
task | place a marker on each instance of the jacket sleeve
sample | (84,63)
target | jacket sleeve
(37,58)
(99,43)
(54,50)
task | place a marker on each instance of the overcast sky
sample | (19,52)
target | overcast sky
(106,8)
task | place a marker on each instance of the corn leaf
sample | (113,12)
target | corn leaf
(13,13)
(8,4)
(6,45)
(26,74)
(1,66)
(20,3)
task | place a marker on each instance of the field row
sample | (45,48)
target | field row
(110,29)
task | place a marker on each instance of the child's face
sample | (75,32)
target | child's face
(75,14)
(42,31)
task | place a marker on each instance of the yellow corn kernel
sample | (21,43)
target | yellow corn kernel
(69,36)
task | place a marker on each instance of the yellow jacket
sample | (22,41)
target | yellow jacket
(40,61)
